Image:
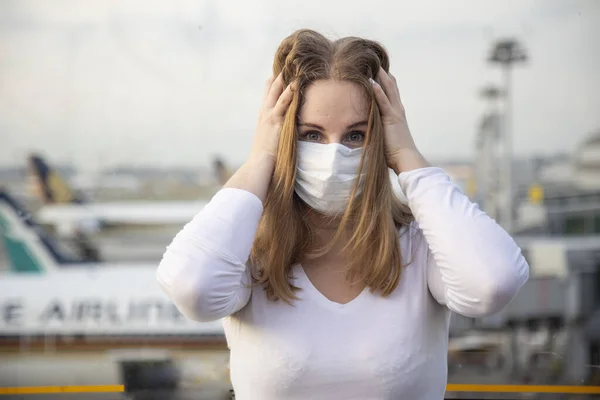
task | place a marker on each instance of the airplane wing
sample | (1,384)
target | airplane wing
(121,213)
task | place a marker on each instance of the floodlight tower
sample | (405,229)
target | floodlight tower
(506,53)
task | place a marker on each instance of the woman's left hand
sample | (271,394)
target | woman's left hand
(400,150)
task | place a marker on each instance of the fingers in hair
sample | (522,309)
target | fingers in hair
(389,86)
(284,100)
(274,92)
(383,102)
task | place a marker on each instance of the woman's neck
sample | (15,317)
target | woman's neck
(326,228)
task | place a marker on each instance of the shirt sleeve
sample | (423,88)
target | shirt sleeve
(204,269)
(473,266)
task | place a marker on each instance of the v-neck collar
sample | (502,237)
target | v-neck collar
(316,295)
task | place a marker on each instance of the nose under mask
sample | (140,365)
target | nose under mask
(326,174)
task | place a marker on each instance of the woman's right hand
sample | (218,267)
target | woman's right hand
(276,101)
(255,175)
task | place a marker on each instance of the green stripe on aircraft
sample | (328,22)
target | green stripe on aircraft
(19,255)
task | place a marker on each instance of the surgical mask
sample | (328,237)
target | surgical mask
(326,174)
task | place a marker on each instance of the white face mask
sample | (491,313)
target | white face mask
(326,174)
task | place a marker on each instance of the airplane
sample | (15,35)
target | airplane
(54,298)
(49,291)
(70,212)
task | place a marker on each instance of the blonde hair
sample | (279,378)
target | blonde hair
(285,236)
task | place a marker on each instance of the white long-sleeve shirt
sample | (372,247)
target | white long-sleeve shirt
(373,347)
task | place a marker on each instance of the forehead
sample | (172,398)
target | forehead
(334,104)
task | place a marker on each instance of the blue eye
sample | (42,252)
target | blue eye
(356,136)
(312,136)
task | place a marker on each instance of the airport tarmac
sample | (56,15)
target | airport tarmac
(47,368)
(156,395)
(204,375)
(204,394)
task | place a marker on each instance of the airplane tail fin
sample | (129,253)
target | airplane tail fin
(28,247)
(49,186)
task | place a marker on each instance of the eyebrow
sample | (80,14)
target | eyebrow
(352,126)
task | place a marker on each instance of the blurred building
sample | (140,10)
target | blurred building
(562,246)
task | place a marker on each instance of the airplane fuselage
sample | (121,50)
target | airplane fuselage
(92,301)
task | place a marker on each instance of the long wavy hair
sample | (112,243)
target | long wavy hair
(374,214)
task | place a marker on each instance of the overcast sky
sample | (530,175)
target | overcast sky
(164,83)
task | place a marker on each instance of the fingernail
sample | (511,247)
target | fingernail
(372,81)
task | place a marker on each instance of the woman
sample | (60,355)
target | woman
(328,287)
